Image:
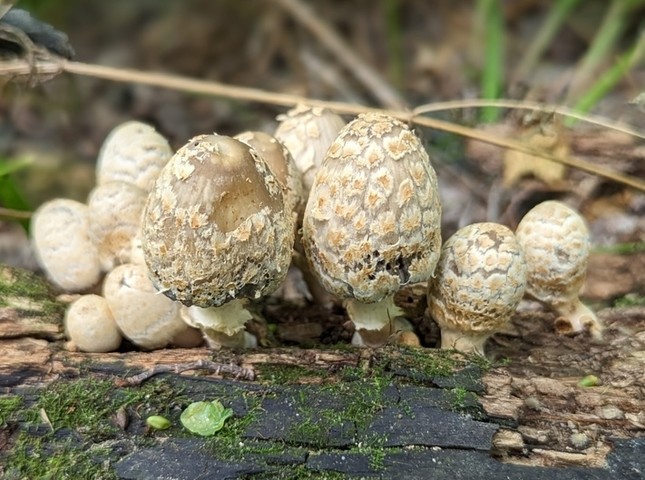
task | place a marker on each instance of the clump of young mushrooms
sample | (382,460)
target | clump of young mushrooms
(372,221)
(555,241)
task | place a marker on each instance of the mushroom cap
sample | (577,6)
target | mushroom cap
(133,152)
(372,221)
(282,165)
(555,242)
(145,317)
(115,210)
(214,226)
(480,279)
(60,235)
(307,132)
(90,325)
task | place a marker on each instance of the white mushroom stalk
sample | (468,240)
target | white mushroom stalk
(372,221)
(215,231)
(480,279)
(555,241)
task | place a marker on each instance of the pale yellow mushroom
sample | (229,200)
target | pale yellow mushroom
(555,241)
(90,325)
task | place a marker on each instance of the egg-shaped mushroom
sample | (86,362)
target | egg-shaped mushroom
(60,235)
(307,132)
(555,241)
(133,152)
(480,279)
(215,232)
(90,325)
(372,221)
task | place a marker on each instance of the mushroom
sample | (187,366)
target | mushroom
(115,210)
(281,164)
(90,325)
(555,241)
(147,319)
(372,221)
(480,279)
(133,152)
(60,235)
(307,132)
(215,233)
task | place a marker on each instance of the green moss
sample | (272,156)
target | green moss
(20,287)
(33,457)
(280,374)
(9,406)
(630,300)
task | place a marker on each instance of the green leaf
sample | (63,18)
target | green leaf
(205,418)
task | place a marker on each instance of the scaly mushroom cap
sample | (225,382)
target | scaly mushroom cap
(214,225)
(555,241)
(480,279)
(60,233)
(307,132)
(372,222)
(133,152)
(282,165)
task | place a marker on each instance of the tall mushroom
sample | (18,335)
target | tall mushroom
(215,233)
(480,279)
(555,241)
(372,221)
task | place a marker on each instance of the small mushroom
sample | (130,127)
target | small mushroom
(90,325)
(307,132)
(372,221)
(60,235)
(480,279)
(215,233)
(146,318)
(555,241)
(134,153)
(115,210)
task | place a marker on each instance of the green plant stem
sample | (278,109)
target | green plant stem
(492,75)
(392,9)
(609,79)
(604,41)
(557,14)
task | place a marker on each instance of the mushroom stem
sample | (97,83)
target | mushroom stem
(578,317)
(373,321)
(222,326)
(470,342)
(241,339)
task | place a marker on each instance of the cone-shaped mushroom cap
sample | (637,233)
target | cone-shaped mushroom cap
(307,132)
(214,225)
(60,232)
(133,152)
(372,222)
(555,241)
(480,279)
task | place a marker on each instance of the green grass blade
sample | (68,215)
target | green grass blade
(492,75)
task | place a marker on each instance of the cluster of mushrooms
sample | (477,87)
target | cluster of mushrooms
(171,249)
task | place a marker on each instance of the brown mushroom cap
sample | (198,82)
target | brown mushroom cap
(214,226)
(480,279)
(372,221)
